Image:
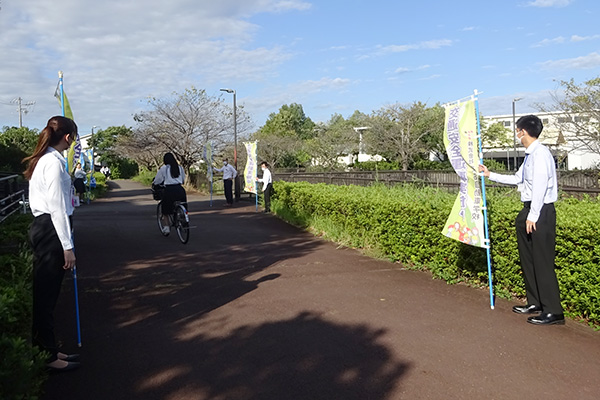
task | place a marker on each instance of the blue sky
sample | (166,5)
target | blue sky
(330,56)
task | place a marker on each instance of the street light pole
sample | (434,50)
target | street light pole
(360,130)
(515,131)
(235,163)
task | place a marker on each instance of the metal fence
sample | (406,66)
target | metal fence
(12,196)
(570,181)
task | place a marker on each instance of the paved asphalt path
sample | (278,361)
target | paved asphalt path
(252,308)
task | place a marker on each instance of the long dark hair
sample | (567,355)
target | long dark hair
(55,130)
(169,159)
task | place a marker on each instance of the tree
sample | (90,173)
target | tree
(15,145)
(106,144)
(333,139)
(282,138)
(432,124)
(580,105)
(496,135)
(398,132)
(183,124)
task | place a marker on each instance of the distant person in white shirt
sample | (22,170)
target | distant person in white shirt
(536,224)
(51,202)
(106,171)
(79,182)
(267,181)
(172,176)
(229,174)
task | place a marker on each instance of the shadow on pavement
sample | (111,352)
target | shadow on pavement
(153,321)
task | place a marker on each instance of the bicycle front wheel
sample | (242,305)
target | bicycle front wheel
(182,224)
(159,218)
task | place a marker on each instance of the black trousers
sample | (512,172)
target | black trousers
(267,194)
(537,251)
(228,185)
(48,273)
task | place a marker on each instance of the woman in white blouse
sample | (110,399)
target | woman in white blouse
(172,176)
(51,202)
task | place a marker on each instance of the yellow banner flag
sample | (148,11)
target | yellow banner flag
(251,168)
(465,223)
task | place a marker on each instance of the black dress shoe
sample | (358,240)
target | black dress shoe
(69,357)
(69,367)
(528,309)
(547,319)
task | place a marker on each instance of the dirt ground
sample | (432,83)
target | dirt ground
(252,308)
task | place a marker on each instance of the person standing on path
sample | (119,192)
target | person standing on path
(50,199)
(536,223)
(267,181)
(79,182)
(229,174)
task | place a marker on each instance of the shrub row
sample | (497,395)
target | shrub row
(21,365)
(404,224)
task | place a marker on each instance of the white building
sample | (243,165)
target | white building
(567,149)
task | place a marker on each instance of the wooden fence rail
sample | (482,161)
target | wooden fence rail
(570,181)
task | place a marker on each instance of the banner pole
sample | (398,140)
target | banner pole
(62,104)
(485,214)
(62,92)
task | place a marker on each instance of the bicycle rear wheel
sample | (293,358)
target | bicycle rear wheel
(182,224)
(159,218)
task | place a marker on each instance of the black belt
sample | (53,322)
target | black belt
(527,204)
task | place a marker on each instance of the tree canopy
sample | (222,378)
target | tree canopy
(182,124)
(580,104)
(283,138)
(16,144)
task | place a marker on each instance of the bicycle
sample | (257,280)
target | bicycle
(179,219)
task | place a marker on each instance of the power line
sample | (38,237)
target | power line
(22,108)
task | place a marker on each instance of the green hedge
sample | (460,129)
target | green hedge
(21,365)
(404,224)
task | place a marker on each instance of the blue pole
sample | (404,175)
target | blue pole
(62,104)
(62,92)
(485,214)
(76,298)
(77,307)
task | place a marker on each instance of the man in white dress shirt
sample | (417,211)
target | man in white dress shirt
(536,224)
(229,174)
(267,188)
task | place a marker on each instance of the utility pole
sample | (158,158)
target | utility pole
(22,108)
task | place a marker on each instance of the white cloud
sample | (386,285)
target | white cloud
(548,42)
(590,61)
(577,38)
(431,77)
(550,3)
(403,70)
(311,86)
(114,53)
(281,6)
(431,44)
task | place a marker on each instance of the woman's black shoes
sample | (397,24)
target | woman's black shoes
(68,357)
(60,367)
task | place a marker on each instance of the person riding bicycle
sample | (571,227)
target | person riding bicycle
(170,175)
